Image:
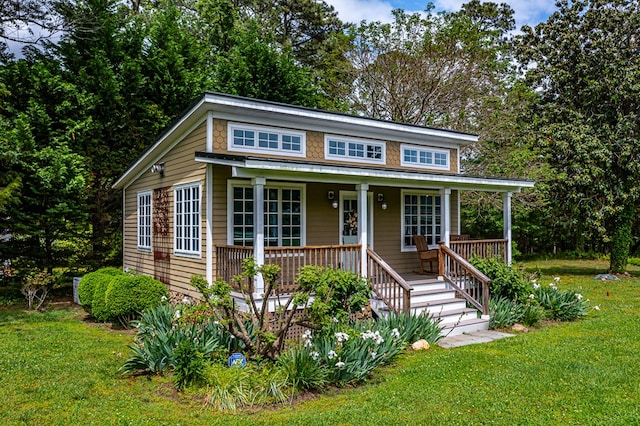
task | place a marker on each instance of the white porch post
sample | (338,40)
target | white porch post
(445,211)
(506,216)
(209,224)
(363,226)
(258,230)
(209,203)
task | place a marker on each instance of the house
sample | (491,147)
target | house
(234,177)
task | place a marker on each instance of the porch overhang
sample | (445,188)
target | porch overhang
(305,171)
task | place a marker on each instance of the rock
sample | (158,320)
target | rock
(420,345)
(519,327)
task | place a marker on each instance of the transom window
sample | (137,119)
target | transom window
(344,149)
(144,220)
(421,216)
(265,140)
(187,219)
(283,216)
(414,156)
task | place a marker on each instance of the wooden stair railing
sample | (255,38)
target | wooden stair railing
(387,284)
(470,283)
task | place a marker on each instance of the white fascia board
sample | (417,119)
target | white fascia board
(331,174)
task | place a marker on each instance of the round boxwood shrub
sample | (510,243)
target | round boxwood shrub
(86,287)
(99,308)
(128,295)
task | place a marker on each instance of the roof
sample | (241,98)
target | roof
(302,170)
(236,107)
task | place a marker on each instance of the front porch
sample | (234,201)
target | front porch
(457,295)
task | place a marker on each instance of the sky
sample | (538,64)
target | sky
(527,12)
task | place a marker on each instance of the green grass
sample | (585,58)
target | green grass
(57,369)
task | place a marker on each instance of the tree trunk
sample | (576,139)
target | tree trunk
(621,239)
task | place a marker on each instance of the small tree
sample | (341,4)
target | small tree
(323,294)
(35,288)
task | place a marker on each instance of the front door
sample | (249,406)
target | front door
(349,218)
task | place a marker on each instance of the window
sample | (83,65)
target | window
(144,220)
(421,215)
(344,149)
(187,219)
(413,156)
(283,217)
(266,140)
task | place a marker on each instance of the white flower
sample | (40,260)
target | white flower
(373,336)
(557,279)
(374,354)
(531,296)
(314,355)
(395,333)
(332,354)
(177,314)
(553,286)
(534,282)
(163,299)
(186,300)
(341,337)
(597,308)
(536,286)
(578,296)
(339,364)
(334,319)
(307,343)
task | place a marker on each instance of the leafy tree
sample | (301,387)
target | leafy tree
(44,211)
(584,64)
(434,69)
(258,68)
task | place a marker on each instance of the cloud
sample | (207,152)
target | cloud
(527,12)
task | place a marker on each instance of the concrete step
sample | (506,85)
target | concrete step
(450,316)
(431,295)
(465,326)
(440,305)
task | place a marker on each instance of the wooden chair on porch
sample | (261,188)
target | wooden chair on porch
(425,254)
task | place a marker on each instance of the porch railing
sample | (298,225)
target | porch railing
(481,248)
(387,284)
(468,282)
(290,259)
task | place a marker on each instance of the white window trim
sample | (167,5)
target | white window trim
(403,192)
(346,157)
(196,254)
(278,185)
(420,149)
(256,149)
(138,197)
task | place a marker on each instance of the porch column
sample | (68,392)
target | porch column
(506,217)
(209,224)
(445,211)
(363,226)
(258,230)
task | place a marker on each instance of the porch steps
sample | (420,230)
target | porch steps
(433,296)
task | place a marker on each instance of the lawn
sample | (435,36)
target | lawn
(57,368)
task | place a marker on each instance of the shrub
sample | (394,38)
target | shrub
(127,296)
(350,354)
(562,305)
(160,332)
(504,312)
(237,387)
(304,371)
(35,287)
(189,364)
(412,327)
(87,284)
(506,281)
(99,301)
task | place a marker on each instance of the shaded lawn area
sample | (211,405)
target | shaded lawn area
(57,369)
